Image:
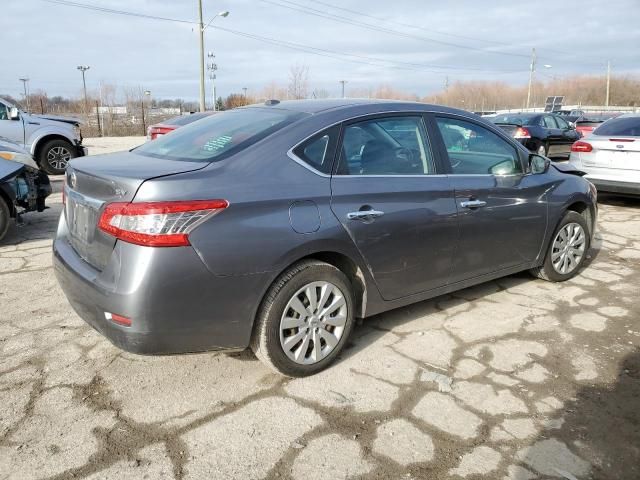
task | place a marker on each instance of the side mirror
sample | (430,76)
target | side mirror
(538,163)
(13,113)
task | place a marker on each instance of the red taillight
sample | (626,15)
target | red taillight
(522,132)
(157,224)
(581,147)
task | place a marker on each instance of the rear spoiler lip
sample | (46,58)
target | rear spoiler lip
(568,168)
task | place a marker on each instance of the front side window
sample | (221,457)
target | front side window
(562,123)
(385,146)
(318,152)
(475,150)
(219,136)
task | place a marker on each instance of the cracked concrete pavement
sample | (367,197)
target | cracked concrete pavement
(512,379)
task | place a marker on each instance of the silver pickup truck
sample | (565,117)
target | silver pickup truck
(52,141)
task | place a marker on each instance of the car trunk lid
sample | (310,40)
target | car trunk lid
(617,152)
(93,182)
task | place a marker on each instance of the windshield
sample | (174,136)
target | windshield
(623,126)
(220,135)
(513,119)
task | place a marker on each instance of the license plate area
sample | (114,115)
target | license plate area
(614,159)
(82,215)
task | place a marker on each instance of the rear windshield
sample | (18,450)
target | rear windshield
(186,119)
(622,126)
(514,119)
(220,135)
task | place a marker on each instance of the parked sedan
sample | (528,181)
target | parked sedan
(159,129)
(543,133)
(611,155)
(274,226)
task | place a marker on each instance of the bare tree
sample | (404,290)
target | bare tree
(298,87)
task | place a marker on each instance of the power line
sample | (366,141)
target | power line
(344,56)
(319,13)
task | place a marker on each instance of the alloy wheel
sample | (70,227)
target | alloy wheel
(568,248)
(313,322)
(58,157)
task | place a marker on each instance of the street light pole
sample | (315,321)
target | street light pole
(531,70)
(201,37)
(608,82)
(343,82)
(201,28)
(25,82)
(212,67)
(84,85)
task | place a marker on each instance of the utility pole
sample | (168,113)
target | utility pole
(343,82)
(446,83)
(606,102)
(244,91)
(212,67)
(25,83)
(531,70)
(201,36)
(84,85)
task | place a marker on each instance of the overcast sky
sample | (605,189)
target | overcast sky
(411,44)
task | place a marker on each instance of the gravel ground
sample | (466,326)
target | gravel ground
(516,378)
(97,145)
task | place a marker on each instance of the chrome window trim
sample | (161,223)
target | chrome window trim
(304,164)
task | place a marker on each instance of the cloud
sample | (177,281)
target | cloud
(473,40)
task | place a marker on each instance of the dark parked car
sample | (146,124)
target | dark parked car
(23,186)
(275,226)
(159,129)
(542,133)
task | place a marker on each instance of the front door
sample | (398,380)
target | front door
(502,212)
(398,212)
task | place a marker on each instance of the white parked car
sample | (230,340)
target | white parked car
(610,156)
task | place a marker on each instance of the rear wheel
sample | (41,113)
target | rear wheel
(55,155)
(305,319)
(5,218)
(542,150)
(567,251)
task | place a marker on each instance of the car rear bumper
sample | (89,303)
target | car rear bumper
(176,305)
(612,186)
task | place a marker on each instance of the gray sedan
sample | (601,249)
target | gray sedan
(274,226)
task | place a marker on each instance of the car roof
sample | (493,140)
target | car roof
(318,106)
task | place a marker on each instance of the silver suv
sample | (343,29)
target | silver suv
(52,141)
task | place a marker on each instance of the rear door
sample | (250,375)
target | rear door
(554,135)
(397,209)
(502,213)
(568,136)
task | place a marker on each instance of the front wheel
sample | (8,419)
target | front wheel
(567,251)
(55,155)
(305,319)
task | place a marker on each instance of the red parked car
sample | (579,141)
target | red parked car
(154,131)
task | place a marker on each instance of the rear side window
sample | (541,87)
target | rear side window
(220,135)
(318,151)
(562,123)
(622,126)
(474,150)
(549,122)
(385,146)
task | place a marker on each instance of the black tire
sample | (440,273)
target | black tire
(5,218)
(542,150)
(265,341)
(547,271)
(54,155)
